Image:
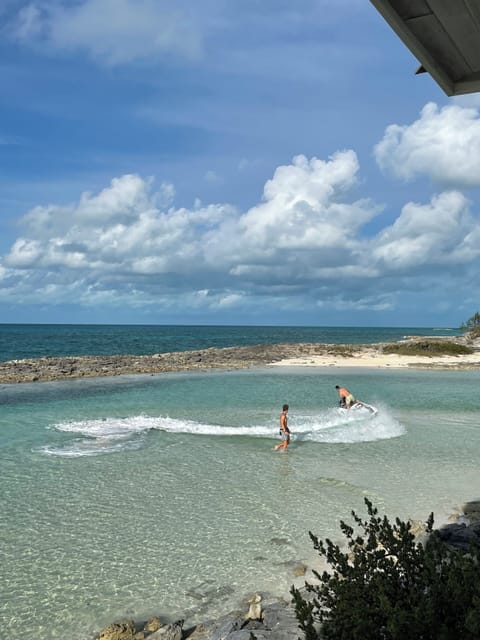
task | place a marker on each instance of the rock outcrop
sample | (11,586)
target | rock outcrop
(53,368)
(267,617)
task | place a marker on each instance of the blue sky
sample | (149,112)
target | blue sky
(223,162)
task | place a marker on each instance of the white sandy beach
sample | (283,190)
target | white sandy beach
(375,355)
(374,359)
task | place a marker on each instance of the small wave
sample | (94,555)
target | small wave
(93,447)
(125,427)
(100,436)
(112,435)
(334,427)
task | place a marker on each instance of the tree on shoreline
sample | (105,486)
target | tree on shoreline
(386,586)
(472,324)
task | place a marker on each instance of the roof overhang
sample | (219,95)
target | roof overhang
(444,36)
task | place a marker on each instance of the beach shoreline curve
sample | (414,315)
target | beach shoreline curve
(53,368)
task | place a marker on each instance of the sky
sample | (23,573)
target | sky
(230,162)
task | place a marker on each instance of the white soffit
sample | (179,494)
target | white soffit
(444,36)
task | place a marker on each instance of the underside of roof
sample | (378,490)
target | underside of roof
(444,36)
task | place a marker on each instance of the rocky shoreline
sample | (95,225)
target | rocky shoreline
(263,615)
(266,617)
(59,368)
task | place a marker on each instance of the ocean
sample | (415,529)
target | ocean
(39,340)
(161,494)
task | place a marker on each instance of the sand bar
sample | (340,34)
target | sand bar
(374,358)
(287,354)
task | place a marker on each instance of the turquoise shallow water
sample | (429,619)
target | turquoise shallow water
(131,496)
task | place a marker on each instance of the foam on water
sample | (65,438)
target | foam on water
(334,426)
(112,435)
(91,447)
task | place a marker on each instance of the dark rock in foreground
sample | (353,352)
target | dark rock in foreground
(268,618)
(466,530)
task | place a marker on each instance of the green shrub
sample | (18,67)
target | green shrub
(427,348)
(341,350)
(386,586)
(472,324)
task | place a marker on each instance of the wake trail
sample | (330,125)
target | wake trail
(115,434)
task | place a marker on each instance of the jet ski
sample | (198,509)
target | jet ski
(358,408)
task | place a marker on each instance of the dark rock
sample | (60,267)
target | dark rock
(460,536)
(168,632)
(118,631)
(153,624)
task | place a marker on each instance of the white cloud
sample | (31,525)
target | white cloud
(440,233)
(119,228)
(443,144)
(468,100)
(112,32)
(302,246)
(303,205)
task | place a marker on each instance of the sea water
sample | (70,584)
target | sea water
(38,340)
(140,495)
